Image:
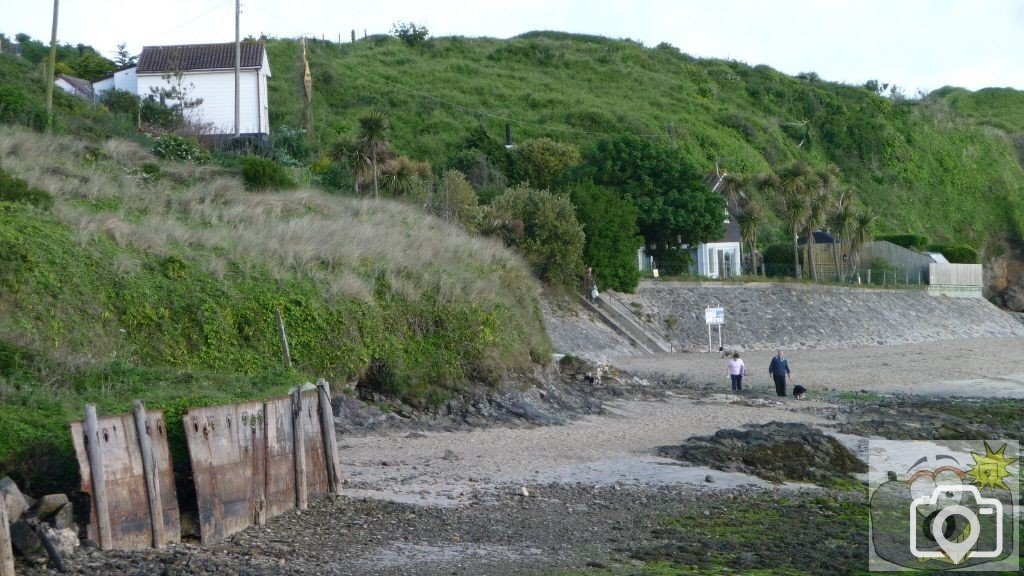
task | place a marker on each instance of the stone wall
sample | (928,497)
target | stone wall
(769,315)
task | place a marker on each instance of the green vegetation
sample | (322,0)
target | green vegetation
(920,166)
(260,174)
(123,266)
(162,284)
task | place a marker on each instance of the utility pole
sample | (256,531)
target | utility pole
(238,67)
(50,69)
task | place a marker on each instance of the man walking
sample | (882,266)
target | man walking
(779,369)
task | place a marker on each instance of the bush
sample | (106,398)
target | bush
(544,226)
(262,174)
(909,241)
(609,221)
(956,253)
(16,190)
(121,102)
(289,145)
(172,147)
(410,33)
(778,260)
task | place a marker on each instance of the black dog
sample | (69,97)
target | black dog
(799,391)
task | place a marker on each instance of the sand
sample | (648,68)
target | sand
(618,449)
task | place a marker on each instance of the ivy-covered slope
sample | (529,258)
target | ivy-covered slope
(945,165)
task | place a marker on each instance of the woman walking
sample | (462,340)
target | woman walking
(737,369)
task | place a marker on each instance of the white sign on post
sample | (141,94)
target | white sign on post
(714,316)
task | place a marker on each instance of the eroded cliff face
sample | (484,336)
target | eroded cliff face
(1004,277)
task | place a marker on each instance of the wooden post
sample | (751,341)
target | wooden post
(284,339)
(299,437)
(6,552)
(156,512)
(323,391)
(99,482)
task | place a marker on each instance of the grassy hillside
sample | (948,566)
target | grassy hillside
(945,166)
(155,280)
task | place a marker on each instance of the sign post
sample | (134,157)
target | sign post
(714,316)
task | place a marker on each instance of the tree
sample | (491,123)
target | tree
(123,59)
(841,223)
(345,151)
(792,190)
(674,205)
(401,174)
(372,142)
(452,197)
(544,162)
(750,220)
(176,96)
(860,234)
(612,235)
(551,238)
(410,33)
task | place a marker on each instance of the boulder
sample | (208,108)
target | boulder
(1013,297)
(64,518)
(17,503)
(49,505)
(24,539)
(64,540)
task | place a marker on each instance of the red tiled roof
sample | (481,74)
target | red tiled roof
(159,59)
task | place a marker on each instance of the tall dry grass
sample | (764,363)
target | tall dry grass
(346,244)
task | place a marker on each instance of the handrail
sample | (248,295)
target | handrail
(636,322)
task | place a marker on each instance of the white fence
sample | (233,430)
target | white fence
(957,280)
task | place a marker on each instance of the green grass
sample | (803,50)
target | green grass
(946,166)
(165,288)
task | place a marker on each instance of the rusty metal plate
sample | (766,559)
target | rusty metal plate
(131,527)
(280,457)
(227,447)
(316,461)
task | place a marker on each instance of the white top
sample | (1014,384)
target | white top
(736,367)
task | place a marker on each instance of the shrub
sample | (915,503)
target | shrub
(910,241)
(289,145)
(778,259)
(172,147)
(609,221)
(16,190)
(410,33)
(551,237)
(121,102)
(262,174)
(956,253)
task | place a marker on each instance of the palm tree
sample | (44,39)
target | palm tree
(792,190)
(750,220)
(841,223)
(346,151)
(860,234)
(372,141)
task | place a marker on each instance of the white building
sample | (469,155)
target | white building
(207,73)
(74,86)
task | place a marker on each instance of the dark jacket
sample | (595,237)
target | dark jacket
(778,366)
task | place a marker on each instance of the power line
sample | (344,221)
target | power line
(486,113)
(199,17)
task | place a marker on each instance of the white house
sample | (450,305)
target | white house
(74,86)
(120,80)
(723,257)
(207,73)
